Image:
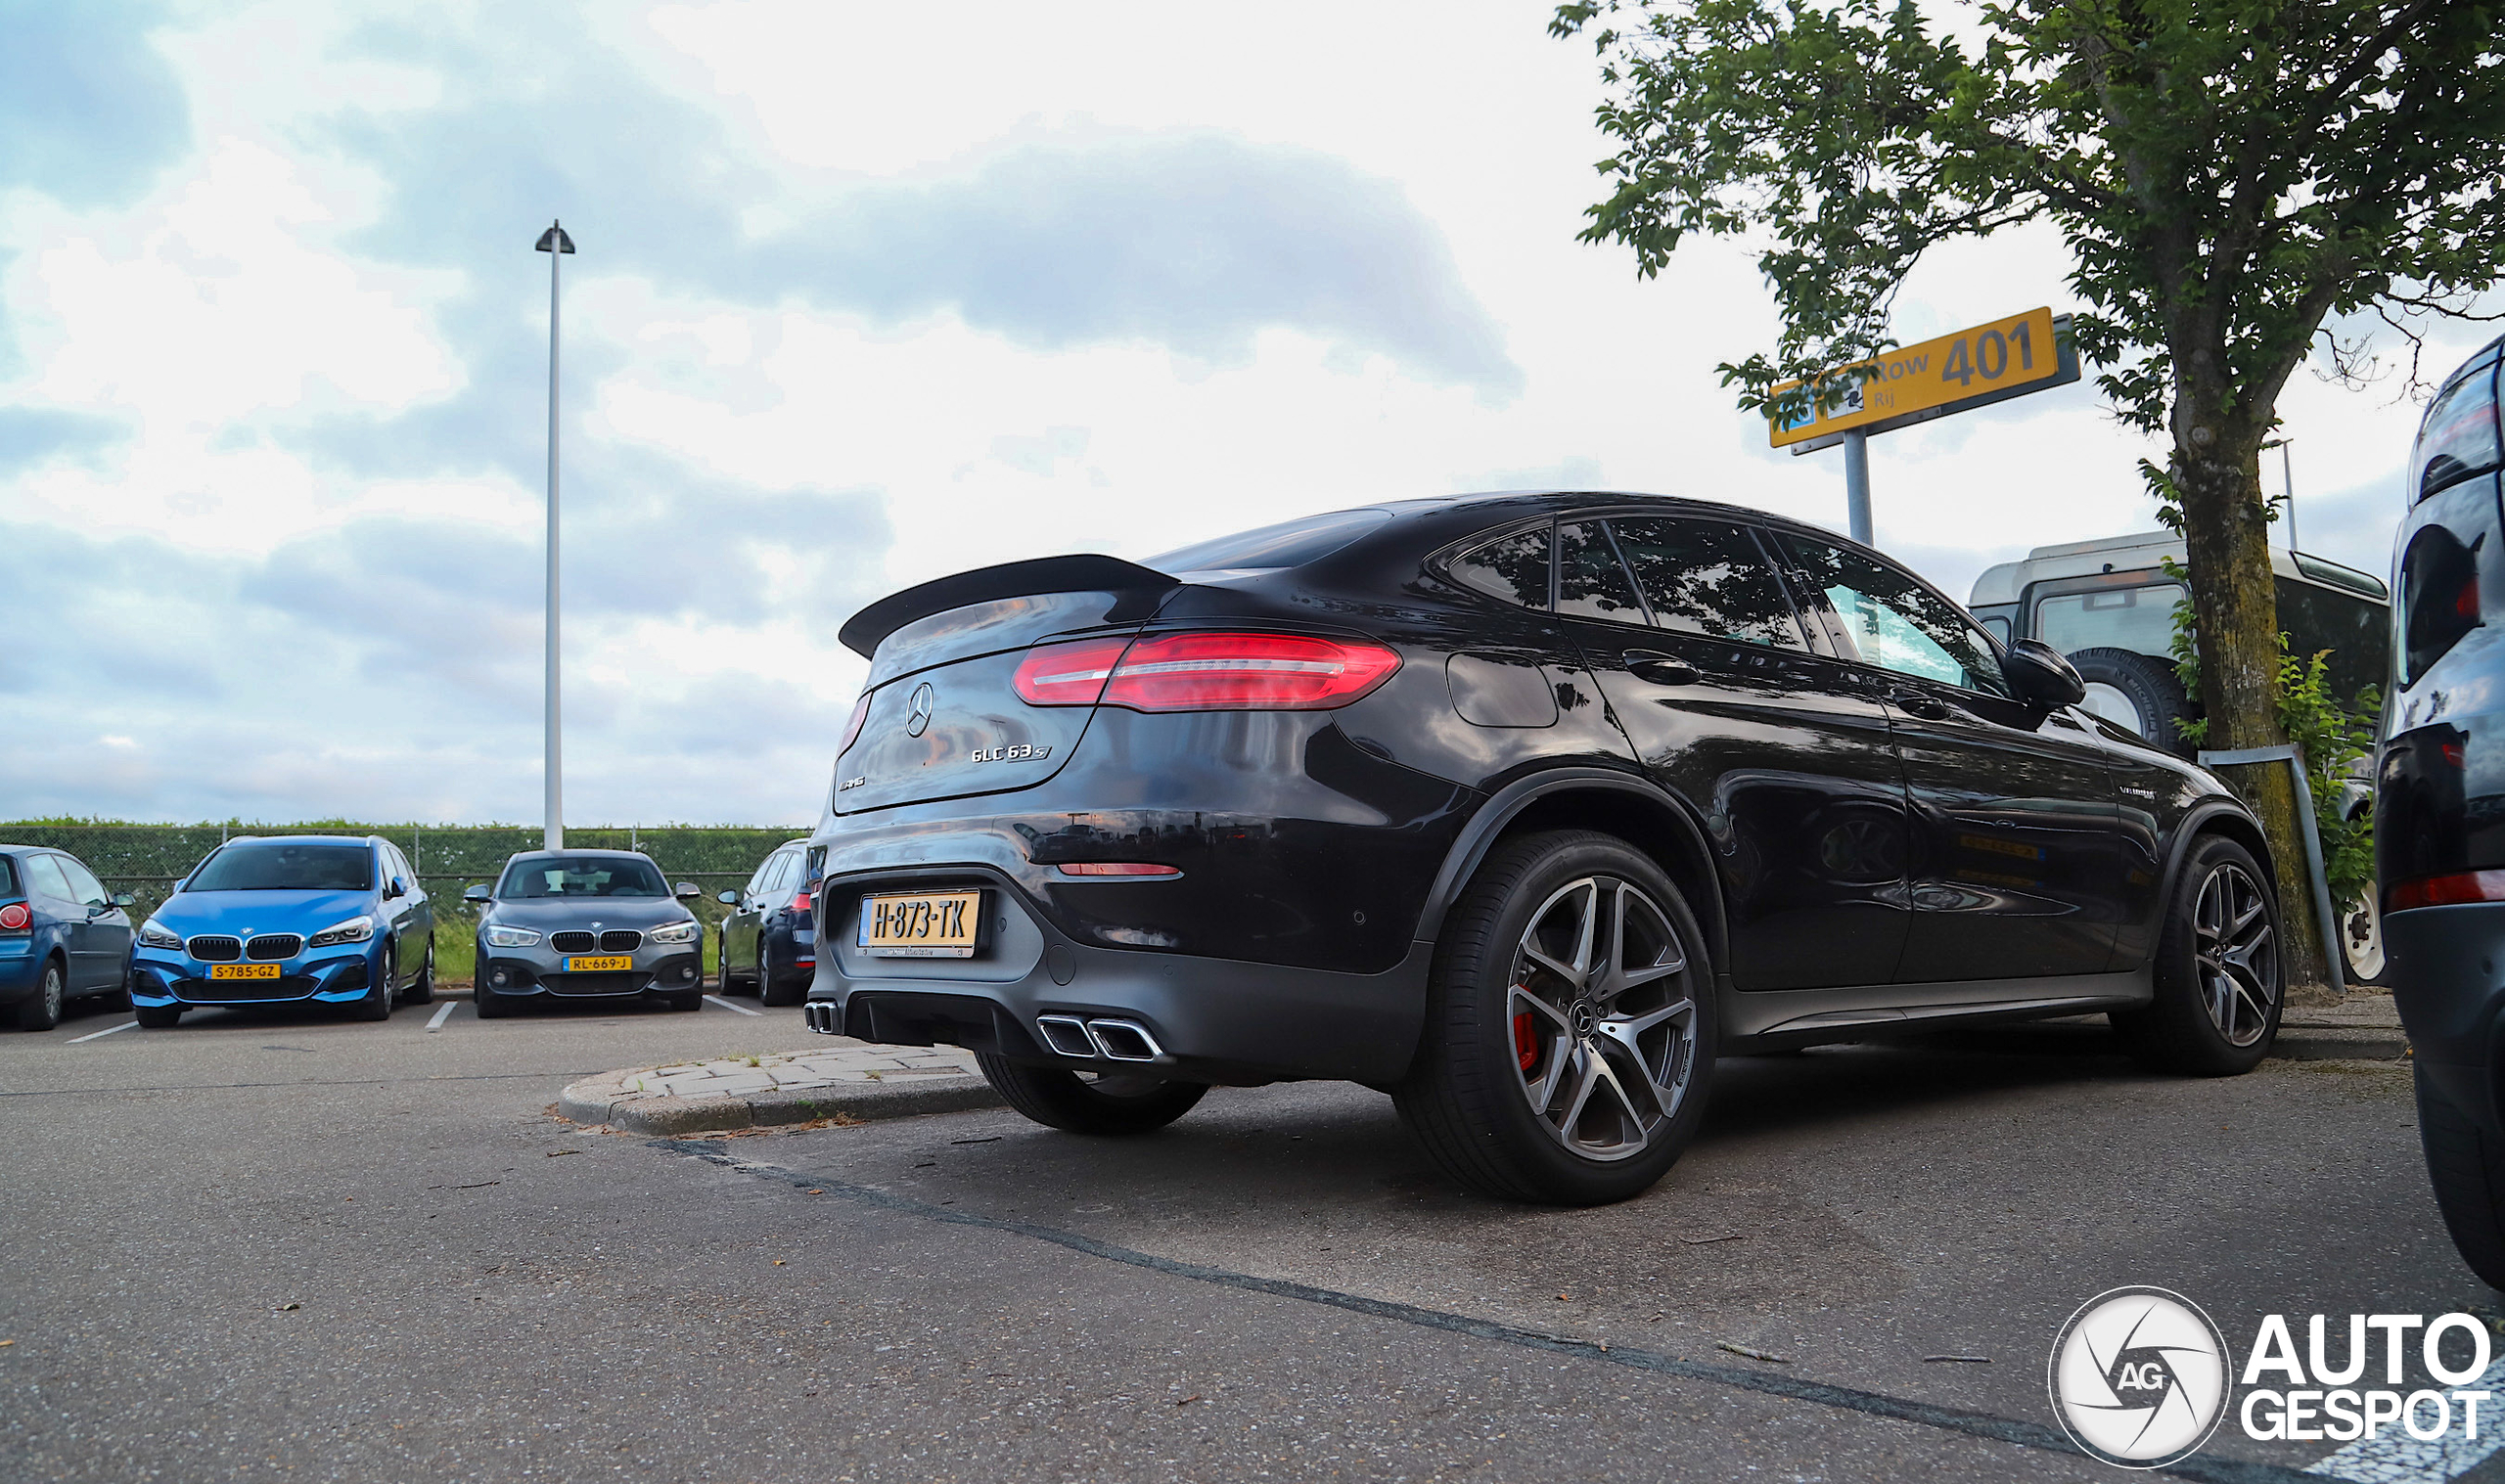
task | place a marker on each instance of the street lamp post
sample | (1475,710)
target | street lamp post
(556,243)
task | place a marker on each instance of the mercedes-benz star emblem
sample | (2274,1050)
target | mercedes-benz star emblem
(917,716)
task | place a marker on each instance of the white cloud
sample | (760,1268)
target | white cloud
(853,311)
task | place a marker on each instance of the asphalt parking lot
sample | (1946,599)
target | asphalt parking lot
(281,1245)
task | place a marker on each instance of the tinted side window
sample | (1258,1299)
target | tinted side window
(1896,623)
(43,873)
(2438,597)
(1590,582)
(2458,439)
(1513,568)
(84,888)
(8,876)
(1706,577)
(778,873)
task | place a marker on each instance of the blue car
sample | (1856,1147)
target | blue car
(323,918)
(61,935)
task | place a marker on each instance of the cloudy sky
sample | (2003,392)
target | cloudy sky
(866,294)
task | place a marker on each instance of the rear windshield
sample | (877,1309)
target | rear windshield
(580,876)
(286,868)
(1291,543)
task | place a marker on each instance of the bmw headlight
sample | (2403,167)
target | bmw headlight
(155,934)
(676,932)
(353,930)
(510,937)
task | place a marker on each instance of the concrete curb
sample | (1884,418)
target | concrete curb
(2313,1043)
(604,1100)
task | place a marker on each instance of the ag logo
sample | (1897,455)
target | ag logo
(917,712)
(2139,1377)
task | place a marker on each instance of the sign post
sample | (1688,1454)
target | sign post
(1956,373)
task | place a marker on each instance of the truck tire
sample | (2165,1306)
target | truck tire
(2138,691)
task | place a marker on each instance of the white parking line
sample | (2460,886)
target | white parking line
(441,1016)
(727,1005)
(107,1031)
(2395,1457)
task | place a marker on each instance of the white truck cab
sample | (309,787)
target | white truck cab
(2109,607)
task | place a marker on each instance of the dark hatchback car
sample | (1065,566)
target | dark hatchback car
(770,936)
(585,925)
(1522,808)
(63,936)
(2440,806)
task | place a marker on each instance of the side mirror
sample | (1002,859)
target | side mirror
(727,898)
(123,899)
(477,894)
(687,891)
(395,887)
(2043,677)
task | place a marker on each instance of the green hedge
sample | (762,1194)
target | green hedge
(146,859)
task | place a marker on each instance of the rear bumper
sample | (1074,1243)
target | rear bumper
(2448,980)
(1210,1019)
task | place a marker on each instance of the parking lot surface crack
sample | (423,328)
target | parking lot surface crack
(1979,1424)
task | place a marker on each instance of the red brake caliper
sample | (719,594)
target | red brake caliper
(1526,1041)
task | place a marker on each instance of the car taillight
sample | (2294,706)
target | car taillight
(1067,674)
(15,918)
(2447,890)
(800,904)
(1206,672)
(852,728)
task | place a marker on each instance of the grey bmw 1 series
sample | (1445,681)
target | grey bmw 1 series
(586,924)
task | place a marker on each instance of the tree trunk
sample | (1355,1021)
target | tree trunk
(2226,526)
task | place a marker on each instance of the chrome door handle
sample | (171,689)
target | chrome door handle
(1660,669)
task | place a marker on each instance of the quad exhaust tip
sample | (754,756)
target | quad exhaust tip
(1088,1040)
(820,1013)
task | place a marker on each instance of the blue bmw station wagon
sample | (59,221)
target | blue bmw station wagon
(327,919)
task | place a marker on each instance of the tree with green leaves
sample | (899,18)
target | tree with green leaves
(2241,183)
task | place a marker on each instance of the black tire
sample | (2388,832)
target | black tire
(787,991)
(2180,1030)
(41,1011)
(423,992)
(159,1017)
(1470,1096)
(730,984)
(379,990)
(2147,685)
(115,998)
(2467,1168)
(490,1004)
(1122,1103)
(684,999)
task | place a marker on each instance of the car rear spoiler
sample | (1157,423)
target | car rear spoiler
(864,631)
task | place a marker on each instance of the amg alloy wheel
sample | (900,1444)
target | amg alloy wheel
(2219,975)
(1571,1025)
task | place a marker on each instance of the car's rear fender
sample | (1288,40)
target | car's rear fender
(1634,809)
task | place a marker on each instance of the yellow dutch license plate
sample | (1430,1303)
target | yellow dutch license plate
(243,970)
(921,924)
(592,963)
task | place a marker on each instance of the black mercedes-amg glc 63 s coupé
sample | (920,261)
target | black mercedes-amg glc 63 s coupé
(1522,808)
